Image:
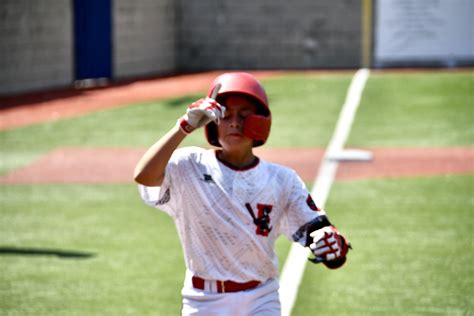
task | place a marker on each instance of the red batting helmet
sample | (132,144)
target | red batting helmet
(255,126)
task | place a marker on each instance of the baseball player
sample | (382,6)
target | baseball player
(230,206)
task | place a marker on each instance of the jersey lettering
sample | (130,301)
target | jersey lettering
(263,220)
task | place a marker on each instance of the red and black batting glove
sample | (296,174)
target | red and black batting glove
(329,247)
(199,113)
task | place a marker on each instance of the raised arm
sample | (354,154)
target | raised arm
(150,170)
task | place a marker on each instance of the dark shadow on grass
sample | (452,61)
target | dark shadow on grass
(65,254)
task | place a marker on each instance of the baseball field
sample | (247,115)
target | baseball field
(75,239)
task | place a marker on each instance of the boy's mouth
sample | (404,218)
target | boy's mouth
(235,134)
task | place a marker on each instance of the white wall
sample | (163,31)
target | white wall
(424,32)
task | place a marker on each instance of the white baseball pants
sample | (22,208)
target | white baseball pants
(262,301)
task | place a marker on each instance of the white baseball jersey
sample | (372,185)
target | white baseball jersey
(228,219)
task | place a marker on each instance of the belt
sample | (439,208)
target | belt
(225,286)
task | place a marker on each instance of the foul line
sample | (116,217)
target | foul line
(293,269)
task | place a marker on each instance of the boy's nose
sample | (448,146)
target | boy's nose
(236,121)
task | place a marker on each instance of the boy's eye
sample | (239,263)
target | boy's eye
(240,114)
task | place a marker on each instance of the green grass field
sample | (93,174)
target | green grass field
(413,250)
(97,250)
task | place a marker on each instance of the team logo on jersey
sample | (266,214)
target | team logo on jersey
(311,204)
(207,178)
(263,220)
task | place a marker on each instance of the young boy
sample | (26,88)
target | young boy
(229,206)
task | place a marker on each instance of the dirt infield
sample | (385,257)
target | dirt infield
(18,111)
(108,165)
(34,108)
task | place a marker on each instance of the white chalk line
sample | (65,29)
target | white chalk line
(293,270)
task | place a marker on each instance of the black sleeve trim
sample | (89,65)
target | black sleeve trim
(165,199)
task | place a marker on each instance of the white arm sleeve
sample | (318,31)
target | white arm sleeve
(300,210)
(167,196)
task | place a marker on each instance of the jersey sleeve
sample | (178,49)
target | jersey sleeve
(167,196)
(301,211)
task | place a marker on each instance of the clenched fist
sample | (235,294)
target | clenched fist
(329,246)
(200,113)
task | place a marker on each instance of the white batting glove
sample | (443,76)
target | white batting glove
(200,113)
(328,244)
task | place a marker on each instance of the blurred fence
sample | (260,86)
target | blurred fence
(51,44)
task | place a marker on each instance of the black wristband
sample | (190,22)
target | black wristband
(315,224)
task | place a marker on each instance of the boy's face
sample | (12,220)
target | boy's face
(229,130)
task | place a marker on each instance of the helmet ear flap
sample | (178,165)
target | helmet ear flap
(257,127)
